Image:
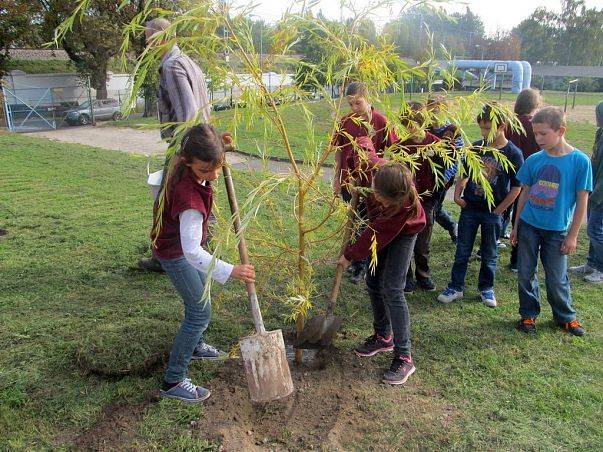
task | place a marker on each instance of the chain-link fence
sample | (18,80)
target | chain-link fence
(38,102)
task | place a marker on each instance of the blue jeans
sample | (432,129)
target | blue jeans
(190,283)
(469,222)
(386,288)
(595,233)
(532,241)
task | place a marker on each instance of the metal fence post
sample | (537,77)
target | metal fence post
(93,122)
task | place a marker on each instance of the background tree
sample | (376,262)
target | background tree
(15,28)
(572,37)
(457,33)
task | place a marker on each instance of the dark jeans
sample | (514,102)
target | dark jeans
(363,215)
(190,284)
(513,220)
(533,241)
(386,290)
(469,222)
(440,215)
(423,244)
(595,234)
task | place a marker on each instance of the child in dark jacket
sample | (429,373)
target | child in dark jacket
(476,213)
(395,219)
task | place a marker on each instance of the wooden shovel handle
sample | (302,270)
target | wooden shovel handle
(347,234)
(234,209)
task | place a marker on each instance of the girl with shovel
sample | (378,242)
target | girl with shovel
(187,205)
(395,218)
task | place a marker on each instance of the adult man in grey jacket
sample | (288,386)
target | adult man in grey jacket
(181,96)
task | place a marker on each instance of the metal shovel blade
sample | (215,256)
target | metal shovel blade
(266,367)
(318,332)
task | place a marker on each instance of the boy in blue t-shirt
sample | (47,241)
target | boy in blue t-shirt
(477,213)
(555,186)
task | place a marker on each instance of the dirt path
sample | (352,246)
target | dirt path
(139,141)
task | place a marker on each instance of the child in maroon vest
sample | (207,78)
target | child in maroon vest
(362,121)
(526,104)
(178,246)
(395,217)
(419,142)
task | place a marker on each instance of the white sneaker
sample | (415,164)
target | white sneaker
(594,277)
(449,295)
(582,269)
(488,298)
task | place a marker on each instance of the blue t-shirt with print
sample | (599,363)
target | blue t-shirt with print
(500,180)
(554,183)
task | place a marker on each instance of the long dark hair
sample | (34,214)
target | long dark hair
(393,181)
(201,142)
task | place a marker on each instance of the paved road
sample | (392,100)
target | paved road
(142,141)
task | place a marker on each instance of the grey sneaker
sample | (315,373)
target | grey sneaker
(594,277)
(582,269)
(186,391)
(207,352)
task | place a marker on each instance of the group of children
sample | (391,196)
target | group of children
(545,182)
(399,207)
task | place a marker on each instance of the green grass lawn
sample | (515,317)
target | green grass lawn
(261,139)
(77,220)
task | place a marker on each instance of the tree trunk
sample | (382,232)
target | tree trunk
(98,80)
(150,102)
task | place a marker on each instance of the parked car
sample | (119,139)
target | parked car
(103,109)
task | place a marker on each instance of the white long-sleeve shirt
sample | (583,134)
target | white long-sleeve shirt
(191,232)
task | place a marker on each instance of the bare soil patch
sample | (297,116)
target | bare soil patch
(335,405)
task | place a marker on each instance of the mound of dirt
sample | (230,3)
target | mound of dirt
(325,405)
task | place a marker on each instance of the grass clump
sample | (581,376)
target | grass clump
(133,346)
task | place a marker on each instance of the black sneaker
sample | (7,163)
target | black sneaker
(426,284)
(375,344)
(512,267)
(409,287)
(527,326)
(573,327)
(401,368)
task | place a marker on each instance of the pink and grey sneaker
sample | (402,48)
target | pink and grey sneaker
(401,368)
(375,344)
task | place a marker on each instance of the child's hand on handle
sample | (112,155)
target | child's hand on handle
(227,140)
(569,245)
(343,262)
(244,273)
(460,201)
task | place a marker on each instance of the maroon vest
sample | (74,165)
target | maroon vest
(187,194)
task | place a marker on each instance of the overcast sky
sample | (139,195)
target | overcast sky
(496,14)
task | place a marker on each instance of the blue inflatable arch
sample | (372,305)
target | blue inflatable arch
(521,70)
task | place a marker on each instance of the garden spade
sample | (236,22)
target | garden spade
(264,358)
(320,330)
